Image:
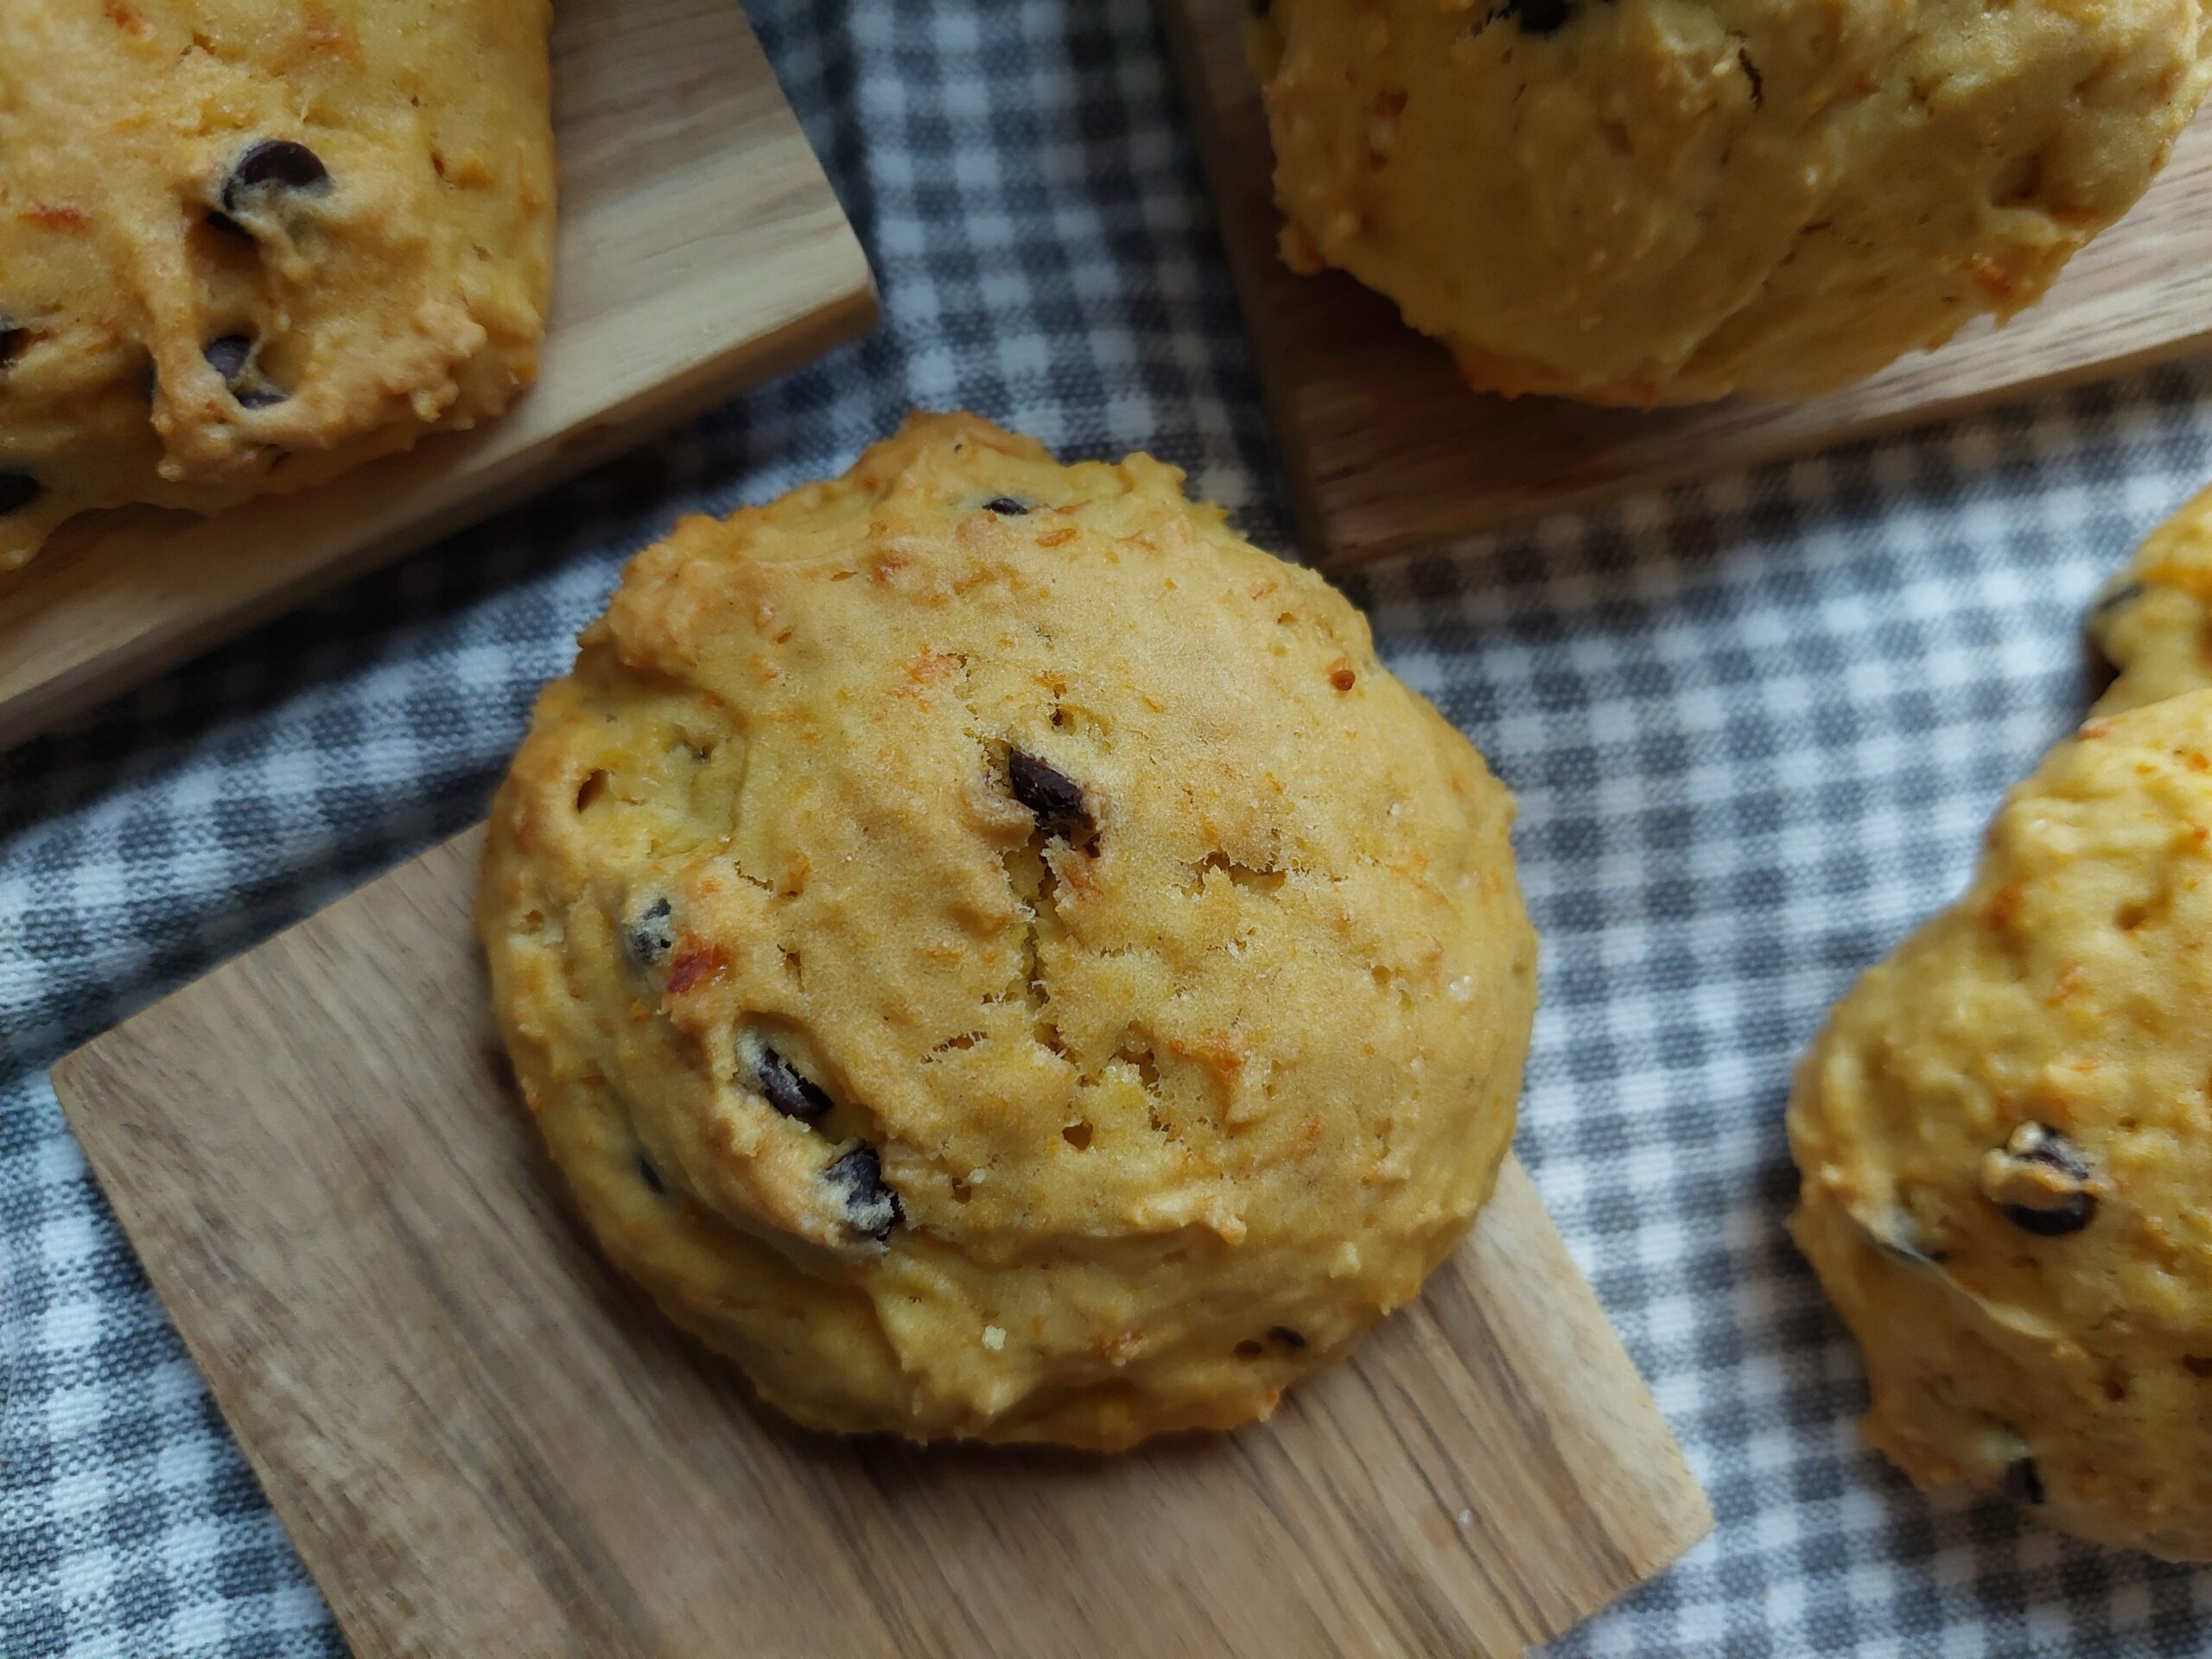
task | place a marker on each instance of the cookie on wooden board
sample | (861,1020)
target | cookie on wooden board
(1662,201)
(244,247)
(997,955)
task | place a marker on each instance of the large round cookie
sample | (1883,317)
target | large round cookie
(243,246)
(2005,1141)
(1646,201)
(996,953)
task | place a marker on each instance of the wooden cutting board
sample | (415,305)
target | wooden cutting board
(484,1444)
(700,251)
(1386,450)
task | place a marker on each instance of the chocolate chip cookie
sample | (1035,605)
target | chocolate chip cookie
(244,247)
(1657,202)
(997,955)
(2005,1140)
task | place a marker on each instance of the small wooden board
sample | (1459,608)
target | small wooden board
(1387,451)
(701,252)
(485,1444)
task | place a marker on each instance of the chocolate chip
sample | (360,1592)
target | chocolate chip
(2022,1481)
(1053,799)
(790,1093)
(1536,16)
(2040,1179)
(651,936)
(2040,1144)
(232,357)
(2070,1217)
(1006,507)
(1539,16)
(13,338)
(229,355)
(18,490)
(651,1176)
(1285,1335)
(871,1208)
(222,221)
(274,163)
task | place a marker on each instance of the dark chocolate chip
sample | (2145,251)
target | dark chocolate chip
(1540,16)
(2058,1208)
(871,1208)
(278,164)
(219,220)
(1053,799)
(232,357)
(1537,16)
(790,1093)
(1006,507)
(651,1176)
(1288,1337)
(2071,1214)
(652,936)
(2022,1481)
(13,338)
(18,490)
(229,355)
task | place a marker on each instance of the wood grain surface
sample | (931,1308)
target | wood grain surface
(700,251)
(484,1444)
(1388,451)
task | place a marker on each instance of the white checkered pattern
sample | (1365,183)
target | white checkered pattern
(1755,726)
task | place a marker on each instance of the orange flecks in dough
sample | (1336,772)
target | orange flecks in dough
(55,216)
(1992,278)
(694,964)
(2003,908)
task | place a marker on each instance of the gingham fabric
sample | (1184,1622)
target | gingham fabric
(1755,728)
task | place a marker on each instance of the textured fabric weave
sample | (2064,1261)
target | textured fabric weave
(1755,726)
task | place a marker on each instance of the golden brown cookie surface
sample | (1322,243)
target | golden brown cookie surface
(2005,1141)
(1644,201)
(246,246)
(2153,622)
(995,953)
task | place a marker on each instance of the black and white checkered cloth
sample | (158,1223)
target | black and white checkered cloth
(1755,726)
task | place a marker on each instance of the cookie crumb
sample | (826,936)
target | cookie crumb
(994,1338)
